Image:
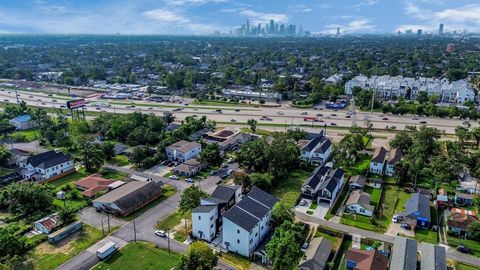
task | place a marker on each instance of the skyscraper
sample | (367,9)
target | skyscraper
(440,29)
(272,27)
(338,31)
(419,32)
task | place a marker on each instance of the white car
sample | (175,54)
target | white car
(280,113)
(303,202)
(173,177)
(395,218)
(189,180)
(160,233)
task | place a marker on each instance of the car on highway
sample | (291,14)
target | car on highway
(348,116)
(385,118)
(43,103)
(414,118)
(423,122)
(98,109)
(304,113)
(54,100)
(333,114)
(218,111)
(63,106)
(160,233)
(177,109)
(237,110)
(195,109)
(333,124)
(320,114)
(6,100)
(150,108)
(233,120)
(30,96)
(280,113)
(39,99)
(189,180)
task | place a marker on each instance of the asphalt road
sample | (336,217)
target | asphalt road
(451,253)
(144,225)
(279,115)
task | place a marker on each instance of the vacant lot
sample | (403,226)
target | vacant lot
(289,190)
(140,256)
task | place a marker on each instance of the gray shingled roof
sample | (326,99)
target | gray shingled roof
(48,159)
(317,254)
(404,255)
(241,218)
(253,207)
(417,206)
(433,257)
(224,193)
(263,197)
(379,155)
(204,208)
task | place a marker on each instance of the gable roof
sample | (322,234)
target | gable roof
(461,218)
(204,208)
(324,146)
(224,193)
(48,159)
(433,257)
(367,259)
(404,254)
(241,218)
(379,155)
(253,207)
(50,222)
(332,180)
(94,184)
(394,155)
(317,254)
(358,179)
(315,178)
(417,206)
(361,198)
(183,146)
(262,197)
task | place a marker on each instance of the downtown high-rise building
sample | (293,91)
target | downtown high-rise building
(440,29)
(270,29)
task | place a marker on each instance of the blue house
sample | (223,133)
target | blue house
(417,211)
(464,198)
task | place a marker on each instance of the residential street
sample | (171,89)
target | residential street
(144,224)
(451,253)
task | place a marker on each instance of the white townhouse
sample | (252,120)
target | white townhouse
(378,160)
(318,150)
(383,161)
(324,184)
(246,224)
(207,217)
(182,151)
(46,165)
(388,87)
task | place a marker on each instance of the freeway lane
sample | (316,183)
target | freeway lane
(280,115)
(451,252)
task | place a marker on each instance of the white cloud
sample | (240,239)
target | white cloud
(355,26)
(192,2)
(453,18)
(300,8)
(165,15)
(365,3)
(260,17)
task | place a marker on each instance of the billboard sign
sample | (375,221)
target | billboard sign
(78,103)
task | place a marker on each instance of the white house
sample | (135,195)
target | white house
(246,224)
(206,218)
(23,122)
(378,160)
(394,156)
(359,203)
(46,165)
(182,151)
(318,150)
(204,222)
(323,184)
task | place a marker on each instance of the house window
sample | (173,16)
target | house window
(238,241)
(362,210)
(211,225)
(238,231)
(199,218)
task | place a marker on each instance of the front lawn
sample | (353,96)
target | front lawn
(374,195)
(391,203)
(114,175)
(334,209)
(120,160)
(289,190)
(236,260)
(424,235)
(67,179)
(462,266)
(335,240)
(47,256)
(28,135)
(166,193)
(173,220)
(140,256)
(359,221)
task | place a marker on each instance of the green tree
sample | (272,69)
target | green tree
(5,156)
(66,215)
(402,141)
(211,154)
(282,212)
(475,133)
(198,257)
(473,231)
(108,150)
(190,198)
(463,134)
(90,155)
(11,243)
(243,179)
(283,249)
(296,134)
(253,124)
(26,199)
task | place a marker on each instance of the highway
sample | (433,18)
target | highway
(280,116)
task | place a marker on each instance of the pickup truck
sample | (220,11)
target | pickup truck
(106,250)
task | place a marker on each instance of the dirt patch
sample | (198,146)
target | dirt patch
(64,246)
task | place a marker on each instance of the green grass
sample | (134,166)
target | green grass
(173,220)
(392,203)
(335,240)
(474,246)
(258,131)
(120,160)
(114,175)
(424,235)
(140,256)
(87,237)
(236,260)
(360,167)
(71,204)
(313,206)
(289,190)
(166,193)
(359,221)
(462,266)
(154,105)
(30,135)
(74,177)
(374,195)
(222,103)
(5,171)
(334,209)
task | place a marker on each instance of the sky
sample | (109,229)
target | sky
(206,16)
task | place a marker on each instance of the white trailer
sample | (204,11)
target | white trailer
(106,250)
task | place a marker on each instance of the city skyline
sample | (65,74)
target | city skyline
(225,16)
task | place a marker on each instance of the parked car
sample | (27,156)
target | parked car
(160,233)
(230,160)
(333,124)
(303,202)
(173,177)
(189,180)
(213,172)
(463,249)
(406,226)
(395,218)
(304,246)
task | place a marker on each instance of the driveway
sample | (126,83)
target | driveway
(159,170)
(93,218)
(319,212)
(394,229)
(32,147)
